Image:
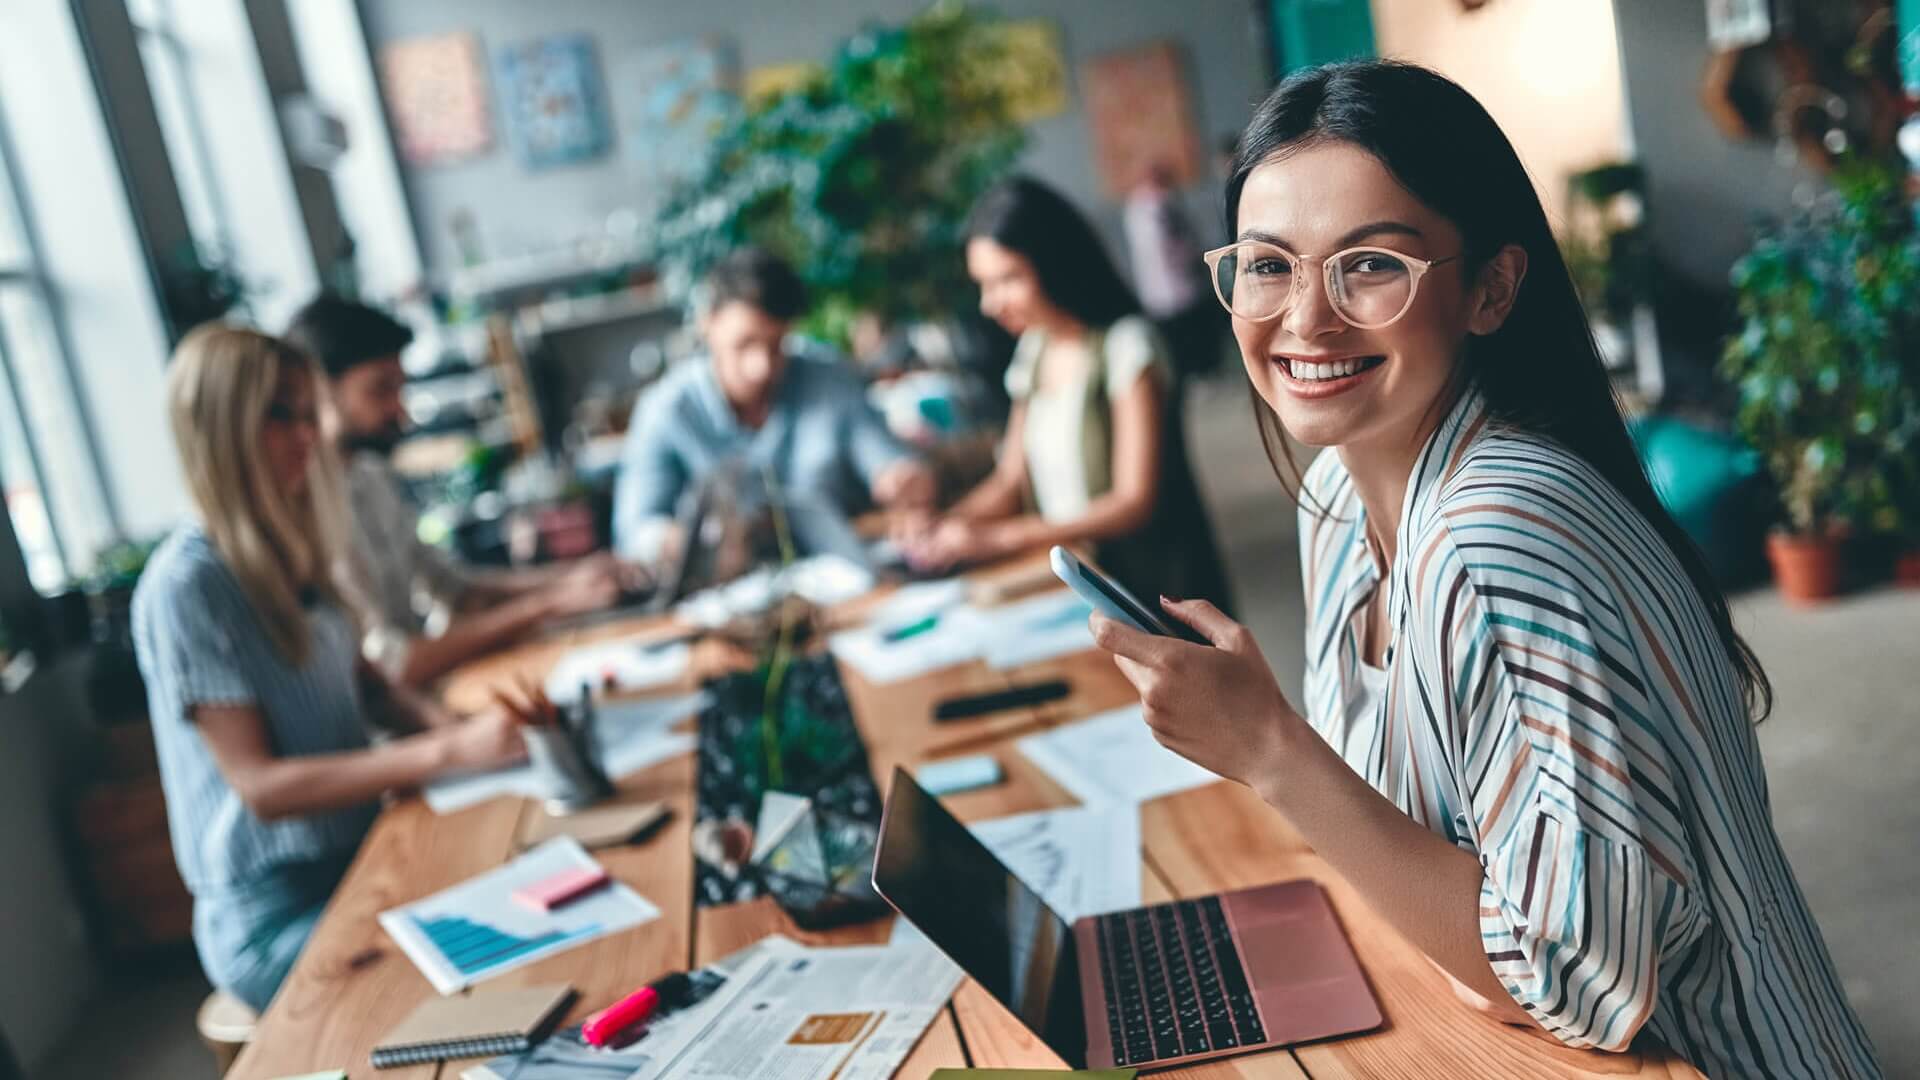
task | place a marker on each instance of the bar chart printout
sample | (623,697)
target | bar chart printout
(475,929)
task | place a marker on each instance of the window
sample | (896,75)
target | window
(52,489)
(165,55)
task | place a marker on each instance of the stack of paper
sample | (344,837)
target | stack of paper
(784,1011)
(1112,758)
(1082,860)
(1029,631)
(907,641)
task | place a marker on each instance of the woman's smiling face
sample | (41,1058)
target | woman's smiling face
(1316,200)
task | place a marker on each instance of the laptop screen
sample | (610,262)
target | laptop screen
(966,901)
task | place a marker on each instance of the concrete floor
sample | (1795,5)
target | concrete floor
(1842,755)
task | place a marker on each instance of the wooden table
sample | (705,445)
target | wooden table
(352,983)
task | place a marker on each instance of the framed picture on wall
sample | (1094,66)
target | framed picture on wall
(555,107)
(1142,117)
(436,94)
(672,98)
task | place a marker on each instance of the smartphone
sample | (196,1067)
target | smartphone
(1110,598)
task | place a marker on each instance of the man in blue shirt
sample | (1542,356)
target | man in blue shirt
(760,403)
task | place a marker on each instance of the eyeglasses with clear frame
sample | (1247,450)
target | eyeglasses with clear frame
(1368,287)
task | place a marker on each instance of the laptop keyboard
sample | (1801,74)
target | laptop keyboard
(1174,982)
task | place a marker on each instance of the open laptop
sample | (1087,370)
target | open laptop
(1156,986)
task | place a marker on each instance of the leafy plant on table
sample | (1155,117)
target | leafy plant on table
(862,176)
(1827,359)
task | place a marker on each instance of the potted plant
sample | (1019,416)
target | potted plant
(114,686)
(861,176)
(1824,367)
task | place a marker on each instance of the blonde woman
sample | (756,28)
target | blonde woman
(259,701)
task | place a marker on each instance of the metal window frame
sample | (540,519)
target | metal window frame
(193,109)
(33,277)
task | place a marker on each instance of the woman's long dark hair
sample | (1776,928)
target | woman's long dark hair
(1026,216)
(1540,372)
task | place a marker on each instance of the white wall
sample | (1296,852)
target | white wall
(1548,71)
(520,211)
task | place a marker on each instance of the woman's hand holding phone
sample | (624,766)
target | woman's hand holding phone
(1218,707)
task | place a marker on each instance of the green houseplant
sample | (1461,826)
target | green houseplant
(1825,365)
(862,176)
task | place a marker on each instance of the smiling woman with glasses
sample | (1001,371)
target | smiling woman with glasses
(1526,734)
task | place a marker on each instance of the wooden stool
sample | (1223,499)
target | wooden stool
(225,1024)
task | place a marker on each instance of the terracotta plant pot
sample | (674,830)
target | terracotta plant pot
(1906,568)
(1807,568)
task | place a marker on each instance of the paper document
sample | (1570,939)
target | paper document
(923,635)
(632,735)
(910,603)
(616,666)
(1082,860)
(567,1056)
(475,930)
(1111,758)
(850,1014)
(1030,631)
(823,580)
(950,637)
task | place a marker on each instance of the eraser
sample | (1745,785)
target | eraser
(959,774)
(561,888)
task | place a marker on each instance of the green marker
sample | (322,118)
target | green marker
(902,633)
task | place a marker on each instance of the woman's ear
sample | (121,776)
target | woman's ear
(1495,290)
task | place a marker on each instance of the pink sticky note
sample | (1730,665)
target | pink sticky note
(561,888)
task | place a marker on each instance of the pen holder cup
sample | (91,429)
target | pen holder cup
(568,775)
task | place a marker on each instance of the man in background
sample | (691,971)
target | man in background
(1169,274)
(778,411)
(427,612)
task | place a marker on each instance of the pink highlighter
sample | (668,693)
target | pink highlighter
(561,888)
(673,991)
(601,1027)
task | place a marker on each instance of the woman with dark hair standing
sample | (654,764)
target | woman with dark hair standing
(1093,453)
(1526,735)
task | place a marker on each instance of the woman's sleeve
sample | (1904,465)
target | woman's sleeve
(1132,347)
(1583,894)
(194,639)
(1020,369)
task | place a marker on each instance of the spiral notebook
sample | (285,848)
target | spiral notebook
(478,1025)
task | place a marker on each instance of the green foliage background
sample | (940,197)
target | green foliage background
(1827,360)
(863,176)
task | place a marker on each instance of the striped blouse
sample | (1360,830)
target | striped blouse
(1558,704)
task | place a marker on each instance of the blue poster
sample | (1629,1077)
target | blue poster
(554,105)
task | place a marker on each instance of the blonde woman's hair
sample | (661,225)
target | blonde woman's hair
(281,546)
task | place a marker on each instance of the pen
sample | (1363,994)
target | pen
(902,633)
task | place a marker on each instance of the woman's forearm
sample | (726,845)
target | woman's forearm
(1426,887)
(1112,515)
(316,783)
(996,497)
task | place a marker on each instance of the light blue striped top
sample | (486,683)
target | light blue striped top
(1558,704)
(200,643)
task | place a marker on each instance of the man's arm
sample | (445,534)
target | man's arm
(649,483)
